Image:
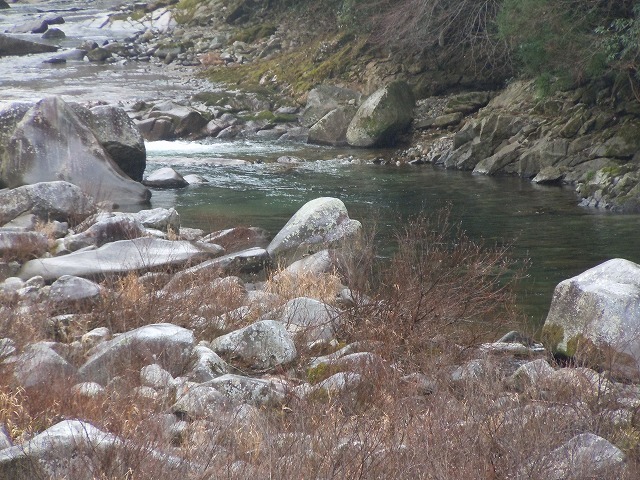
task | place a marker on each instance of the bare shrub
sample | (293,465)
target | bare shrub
(440,283)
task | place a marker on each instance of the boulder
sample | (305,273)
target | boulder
(595,316)
(165,177)
(22,245)
(54,34)
(263,345)
(312,319)
(63,450)
(51,143)
(332,128)
(121,139)
(253,391)
(153,129)
(206,365)
(40,366)
(198,401)
(105,231)
(251,260)
(186,120)
(61,201)
(318,224)
(382,116)
(584,456)
(121,257)
(239,238)
(17,46)
(164,344)
(74,290)
(325,98)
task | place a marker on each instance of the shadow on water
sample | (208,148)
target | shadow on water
(544,224)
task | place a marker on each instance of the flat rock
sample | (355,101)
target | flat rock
(165,177)
(121,257)
(164,344)
(17,46)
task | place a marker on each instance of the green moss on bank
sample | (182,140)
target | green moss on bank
(298,71)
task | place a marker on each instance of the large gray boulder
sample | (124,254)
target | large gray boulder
(584,456)
(60,201)
(382,116)
(325,98)
(40,366)
(121,257)
(261,346)
(59,451)
(596,316)
(254,391)
(318,224)
(51,143)
(164,344)
(332,128)
(118,134)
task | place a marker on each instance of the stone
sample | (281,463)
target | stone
(58,200)
(337,384)
(441,121)
(54,34)
(77,291)
(186,120)
(155,376)
(318,224)
(312,319)
(98,54)
(165,177)
(468,102)
(195,400)
(325,98)
(531,374)
(121,139)
(263,345)
(207,365)
(254,391)
(51,142)
(154,129)
(595,316)
(382,116)
(251,260)
(40,366)
(584,456)
(22,245)
(549,175)
(60,450)
(239,238)
(332,128)
(121,257)
(16,46)
(106,230)
(167,345)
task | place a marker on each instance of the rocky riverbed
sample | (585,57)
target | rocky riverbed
(131,343)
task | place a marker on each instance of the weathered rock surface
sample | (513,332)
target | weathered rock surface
(254,391)
(40,366)
(318,224)
(51,143)
(312,319)
(382,116)
(164,344)
(325,98)
(140,254)
(47,200)
(332,128)
(69,289)
(262,345)
(22,245)
(584,456)
(121,139)
(595,316)
(165,177)
(18,46)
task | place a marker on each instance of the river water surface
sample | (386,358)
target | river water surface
(544,224)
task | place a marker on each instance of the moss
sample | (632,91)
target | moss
(298,71)
(257,32)
(552,336)
(317,373)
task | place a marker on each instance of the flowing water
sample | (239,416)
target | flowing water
(544,224)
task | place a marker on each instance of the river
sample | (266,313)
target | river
(544,224)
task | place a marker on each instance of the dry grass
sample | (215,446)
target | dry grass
(426,310)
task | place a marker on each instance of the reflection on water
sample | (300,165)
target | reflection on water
(544,224)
